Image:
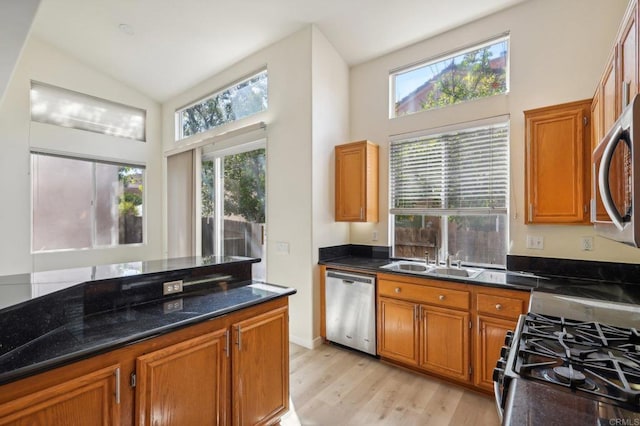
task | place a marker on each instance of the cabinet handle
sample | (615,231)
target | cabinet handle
(226,343)
(441,297)
(498,307)
(117,391)
(530,212)
(397,290)
(239,341)
(361,213)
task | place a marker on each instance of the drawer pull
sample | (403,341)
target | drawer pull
(498,307)
(397,289)
(441,297)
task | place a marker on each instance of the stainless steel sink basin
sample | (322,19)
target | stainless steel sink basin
(421,268)
(456,272)
(407,266)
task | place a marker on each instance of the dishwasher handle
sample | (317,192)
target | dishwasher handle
(351,278)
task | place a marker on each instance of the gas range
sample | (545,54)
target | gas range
(582,362)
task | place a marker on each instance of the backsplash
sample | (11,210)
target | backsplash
(334,252)
(626,273)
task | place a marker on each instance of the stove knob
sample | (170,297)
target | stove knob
(504,352)
(508,338)
(498,373)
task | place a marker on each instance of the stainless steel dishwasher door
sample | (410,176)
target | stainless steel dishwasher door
(350,310)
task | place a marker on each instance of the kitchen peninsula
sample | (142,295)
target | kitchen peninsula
(143,341)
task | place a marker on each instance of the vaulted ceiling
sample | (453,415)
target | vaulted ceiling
(162,47)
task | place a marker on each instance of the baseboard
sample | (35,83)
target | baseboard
(306,343)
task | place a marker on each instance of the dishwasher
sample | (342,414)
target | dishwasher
(350,310)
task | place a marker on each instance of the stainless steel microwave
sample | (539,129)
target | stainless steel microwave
(616,179)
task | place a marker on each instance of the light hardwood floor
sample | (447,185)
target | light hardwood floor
(336,386)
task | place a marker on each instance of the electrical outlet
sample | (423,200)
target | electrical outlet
(282,247)
(586,243)
(171,287)
(535,242)
(374,236)
(173,306)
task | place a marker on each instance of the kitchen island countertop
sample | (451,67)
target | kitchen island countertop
(75,317)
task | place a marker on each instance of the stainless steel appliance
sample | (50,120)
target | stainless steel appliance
(587,368)
(616,179)
(350,310)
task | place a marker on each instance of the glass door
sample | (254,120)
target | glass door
(232,203)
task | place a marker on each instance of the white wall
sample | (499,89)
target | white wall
(15,23)
(297,168)
(42,62)
(558,51)
(330,122)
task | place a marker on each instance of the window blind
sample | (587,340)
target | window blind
(461,172)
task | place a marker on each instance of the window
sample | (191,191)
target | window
(79,204)
(233,103)
(473,73)
(449,194)
(66,108)
(232,199)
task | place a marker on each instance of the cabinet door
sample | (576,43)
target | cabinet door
(185,384)
(398,330)
(489,339)
(444,341)
(356,187)
(557,163)
(91,399)
(260,378)
(628,57)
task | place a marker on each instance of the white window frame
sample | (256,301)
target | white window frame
(93,161)
(178,116)
(444,213)
(441,58)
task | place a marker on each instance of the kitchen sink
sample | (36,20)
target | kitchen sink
(456,272)
(407,266)
(422,269)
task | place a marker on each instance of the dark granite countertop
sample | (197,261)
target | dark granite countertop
(599,289)
(489,277)
(554,406)
(89,317)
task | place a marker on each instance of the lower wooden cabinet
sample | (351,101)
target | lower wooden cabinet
(398,330)
(451,329)
(417,327)
(186,383)
(444,342)
(490,338)
(260,378)
(497,311)
(183,378)
(87,400)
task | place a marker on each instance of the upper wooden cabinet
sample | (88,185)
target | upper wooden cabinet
(557,163)
(357,182)
(627,44)
(616,88)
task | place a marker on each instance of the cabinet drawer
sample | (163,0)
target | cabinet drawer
(502,306)
(424,294)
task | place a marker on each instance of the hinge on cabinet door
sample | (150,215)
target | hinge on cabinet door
(226,344)
(585,120)
(132,380)
(530,212)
